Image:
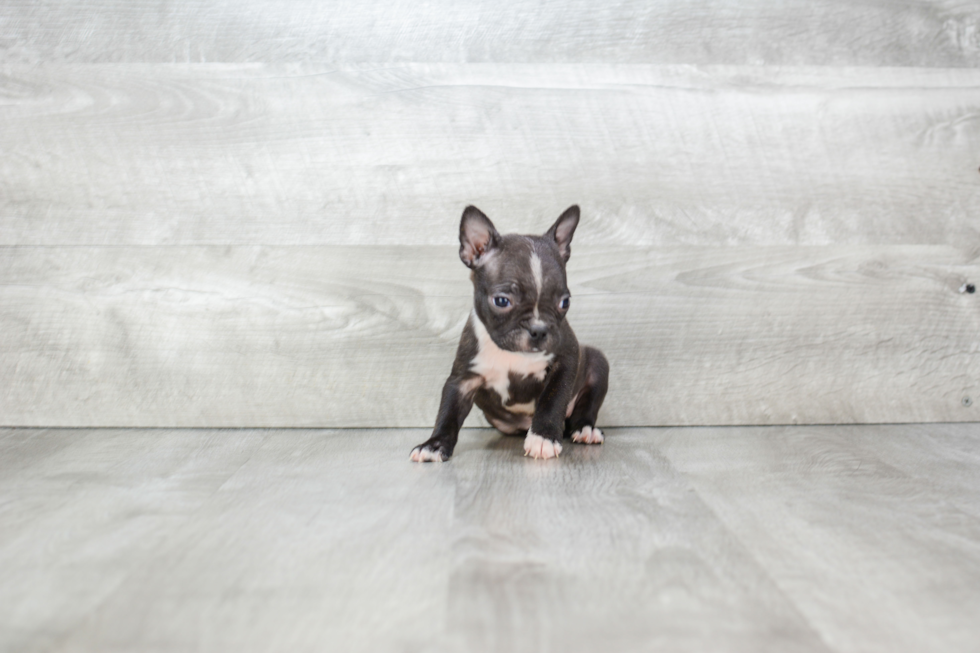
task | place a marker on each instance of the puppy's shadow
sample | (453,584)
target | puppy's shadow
(503,442)
(491,440)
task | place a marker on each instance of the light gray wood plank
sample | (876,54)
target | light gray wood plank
(364,336)
(656,155)
(793,32)
(335,537)
(946,460)
(734,539)
(607,550)
(299,548)
(840,528)
(80,512)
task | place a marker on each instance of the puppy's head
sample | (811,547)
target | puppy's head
(519,281)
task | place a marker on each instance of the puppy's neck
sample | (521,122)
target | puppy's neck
(495,365)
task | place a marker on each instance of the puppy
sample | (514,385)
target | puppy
(518,359)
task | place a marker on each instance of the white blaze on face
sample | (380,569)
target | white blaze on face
(538,281)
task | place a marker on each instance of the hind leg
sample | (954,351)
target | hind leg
(581,419)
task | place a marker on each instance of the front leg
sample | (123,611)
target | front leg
(544,437)
(455,405)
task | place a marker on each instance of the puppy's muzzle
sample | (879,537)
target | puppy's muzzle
(537,334)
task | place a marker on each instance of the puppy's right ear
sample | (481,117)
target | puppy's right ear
(477,237)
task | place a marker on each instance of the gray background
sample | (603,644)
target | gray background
(244,213)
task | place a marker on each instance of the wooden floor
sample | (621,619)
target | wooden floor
(854,538)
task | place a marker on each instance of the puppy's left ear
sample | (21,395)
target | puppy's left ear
(563,230)
(477,237)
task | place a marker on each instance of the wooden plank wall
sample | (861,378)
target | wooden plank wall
(244,214)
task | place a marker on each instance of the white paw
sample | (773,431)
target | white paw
(588,435)
(422,454)
(538,447)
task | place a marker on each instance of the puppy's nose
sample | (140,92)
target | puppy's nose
(537,333)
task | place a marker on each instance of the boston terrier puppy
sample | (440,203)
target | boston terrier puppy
(518,359)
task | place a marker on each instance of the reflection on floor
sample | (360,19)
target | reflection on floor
(830,538)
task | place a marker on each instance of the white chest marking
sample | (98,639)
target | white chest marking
(538,282)
(495,365)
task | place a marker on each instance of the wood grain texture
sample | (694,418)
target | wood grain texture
(793,32)
(364,336)
(656,155)
(816,539)
(868,508)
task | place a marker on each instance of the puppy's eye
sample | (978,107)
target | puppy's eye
(565,303)
(501,302)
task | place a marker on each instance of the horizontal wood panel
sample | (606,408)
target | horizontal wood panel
(656,156)
(364,336)
(791,32)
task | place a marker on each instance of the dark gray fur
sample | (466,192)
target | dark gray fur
(500,267)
